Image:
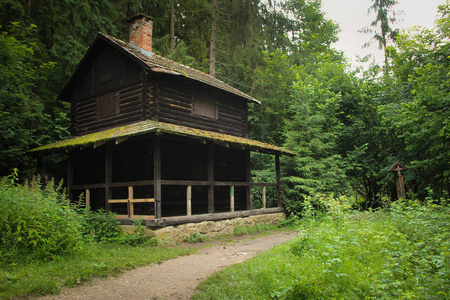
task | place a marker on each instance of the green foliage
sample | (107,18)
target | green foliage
(100,226)
(400,253)
(258,228)
(36,222)
(196,237)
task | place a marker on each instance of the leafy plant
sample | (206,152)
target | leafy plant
(36,222)
(399,253)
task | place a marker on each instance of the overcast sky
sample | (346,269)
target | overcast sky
(351,15)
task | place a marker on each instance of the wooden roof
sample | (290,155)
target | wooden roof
(397,166)
(123,132)
(155,63)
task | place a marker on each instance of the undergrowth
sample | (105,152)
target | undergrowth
(47,242)
(401,252)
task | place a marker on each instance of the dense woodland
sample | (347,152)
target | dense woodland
(347,126)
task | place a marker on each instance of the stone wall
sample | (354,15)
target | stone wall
(211,229)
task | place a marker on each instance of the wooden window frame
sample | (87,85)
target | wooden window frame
(108,105)
(204,106)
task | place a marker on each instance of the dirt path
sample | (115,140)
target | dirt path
(176,278)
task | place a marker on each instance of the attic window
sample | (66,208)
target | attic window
(204,106)
(108,105)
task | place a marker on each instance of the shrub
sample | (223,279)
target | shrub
(36,222)
(99,226)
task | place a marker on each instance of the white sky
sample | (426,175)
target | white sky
(351,15)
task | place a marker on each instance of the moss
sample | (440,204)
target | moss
(152,126)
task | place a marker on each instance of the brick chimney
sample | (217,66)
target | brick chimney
(140,34)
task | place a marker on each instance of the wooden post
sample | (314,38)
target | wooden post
(88,199)
(278,174)
(157,174)
(210,168)
(188,200)
(400,185)
(130,202)
(108,175)
(264,197)
(248,179)
(232,198)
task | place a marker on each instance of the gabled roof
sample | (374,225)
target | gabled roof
(397,166)
(123,132)
(158,64)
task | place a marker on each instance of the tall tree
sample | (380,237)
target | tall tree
(384,17)
(212,45)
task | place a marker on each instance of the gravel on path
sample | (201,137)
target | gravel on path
(176,278)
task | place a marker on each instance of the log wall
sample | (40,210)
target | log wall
(175,105)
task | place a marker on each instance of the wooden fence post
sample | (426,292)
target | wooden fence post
(189,200)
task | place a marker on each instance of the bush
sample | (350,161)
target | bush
(99,226)
(400,253)
(36,222)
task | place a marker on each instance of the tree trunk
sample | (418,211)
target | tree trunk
(212,47)
(172,25)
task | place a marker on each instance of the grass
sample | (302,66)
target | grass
(100,260)
(402,253)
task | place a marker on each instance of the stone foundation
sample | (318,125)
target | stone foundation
(211,229)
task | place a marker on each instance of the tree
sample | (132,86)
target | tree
(421,65)
(385,16)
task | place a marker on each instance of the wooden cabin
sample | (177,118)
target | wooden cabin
(156,140)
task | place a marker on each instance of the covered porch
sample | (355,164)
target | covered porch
(167,174)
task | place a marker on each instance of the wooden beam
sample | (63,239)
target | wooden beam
(264,197)
(210,171)
(278,174)
(88,199)
(157,174)
(189,200)
(130,203)
(232,198)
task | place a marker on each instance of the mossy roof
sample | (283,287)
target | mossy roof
(155,63)
(144,127)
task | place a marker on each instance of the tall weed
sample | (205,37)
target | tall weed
(36,222)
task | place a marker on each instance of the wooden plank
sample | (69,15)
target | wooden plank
(189,200)
(133,183)
(157,174)
(148,200)
(112,201)
(88,199)
(264,197)
(130,203)
(232,198)
(214,217)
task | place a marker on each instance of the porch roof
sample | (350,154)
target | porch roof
(123,132)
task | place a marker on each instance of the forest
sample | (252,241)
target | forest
(347,125)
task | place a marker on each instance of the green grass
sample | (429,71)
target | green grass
(403,253)
(99,260)
(251,230)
